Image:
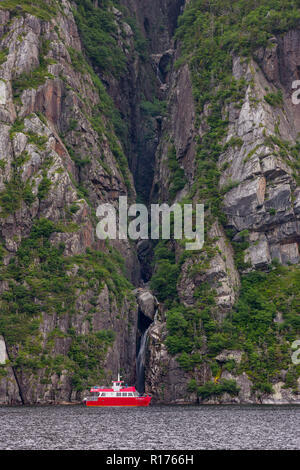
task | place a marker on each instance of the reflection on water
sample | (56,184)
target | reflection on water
(156,427)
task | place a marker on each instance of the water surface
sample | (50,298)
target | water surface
(152,428)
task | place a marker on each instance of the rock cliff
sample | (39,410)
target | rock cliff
(256,175)
(98,101)
(74,319)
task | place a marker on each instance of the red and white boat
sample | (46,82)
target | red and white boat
(118,395)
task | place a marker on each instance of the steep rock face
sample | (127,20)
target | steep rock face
(158,20)
(69,316)
(265,198)
(58,165)
(144,82)
(164,378)
(260,187)
(178,127)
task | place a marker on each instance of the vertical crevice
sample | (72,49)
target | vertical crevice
(15,375)
(146,131)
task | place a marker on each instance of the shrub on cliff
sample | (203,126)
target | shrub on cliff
(211,389)
(164,281)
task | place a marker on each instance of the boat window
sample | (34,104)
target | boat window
(119,394)
(124,394)
(130,394)
(103,395)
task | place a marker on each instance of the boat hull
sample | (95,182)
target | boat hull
(116,401)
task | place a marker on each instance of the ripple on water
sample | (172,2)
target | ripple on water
(153,428)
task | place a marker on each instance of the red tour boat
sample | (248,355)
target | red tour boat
(118,395)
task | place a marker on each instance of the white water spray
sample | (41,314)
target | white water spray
(140,362)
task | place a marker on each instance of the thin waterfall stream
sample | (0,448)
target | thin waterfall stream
(141,355)
(140,362)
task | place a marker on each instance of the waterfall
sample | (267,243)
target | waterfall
(140,362)
(148,309)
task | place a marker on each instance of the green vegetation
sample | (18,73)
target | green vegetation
(165,278)
(73,123)
(16,190)
(32,283)
(154,108)
(140,43)
(113,124)
(274,99)
(178,179)
(252,152)
(42,267)
(182,324)
(288,151)
(38,140)
(209,34)
(211,389)
(44,186)
(41,280)
(32,80)
(236,25)
(79,160)
(98,32)
(98,29)
(120,158)
(229,186)
(3,56)
(234,142)
(36,77)
(250,328)
(164,281)
(18,126)
(41,9)
(87,353)
(239,247)
(267,343)
(14,193)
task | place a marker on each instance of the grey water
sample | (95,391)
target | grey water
(152,428)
